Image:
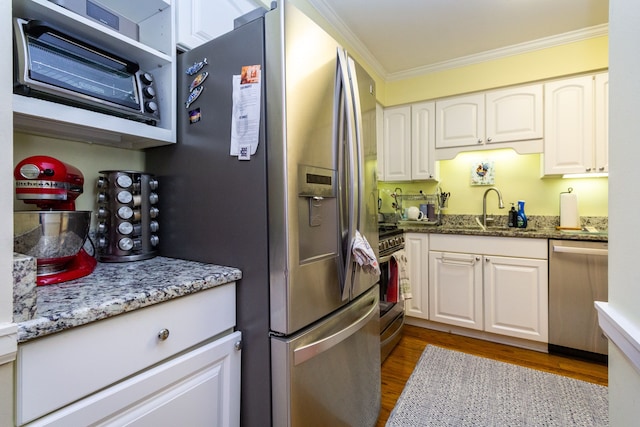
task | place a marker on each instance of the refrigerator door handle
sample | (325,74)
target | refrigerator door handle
(308,351)
(349,183)
(357,119)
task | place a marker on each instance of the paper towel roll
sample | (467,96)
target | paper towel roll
(569,217)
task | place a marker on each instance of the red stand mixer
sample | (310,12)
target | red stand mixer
(55,234)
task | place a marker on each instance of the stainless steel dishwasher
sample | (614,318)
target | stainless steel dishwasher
(577,277)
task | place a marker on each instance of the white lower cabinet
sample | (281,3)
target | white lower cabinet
(492,284)
(173,363)
(416,246)
(516,297)
(455,291)
(199,388)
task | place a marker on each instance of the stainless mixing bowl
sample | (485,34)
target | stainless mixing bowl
(53,237)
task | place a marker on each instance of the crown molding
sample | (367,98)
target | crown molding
(345,32)
(361,50)
(517,49)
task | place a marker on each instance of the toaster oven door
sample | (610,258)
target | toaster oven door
(56,66)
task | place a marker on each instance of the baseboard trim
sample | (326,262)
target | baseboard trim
(471,333)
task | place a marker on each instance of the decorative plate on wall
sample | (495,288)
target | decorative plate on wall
(483,172)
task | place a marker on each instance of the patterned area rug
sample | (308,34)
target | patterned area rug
(449,388)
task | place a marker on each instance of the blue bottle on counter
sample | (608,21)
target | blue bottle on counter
(522,218)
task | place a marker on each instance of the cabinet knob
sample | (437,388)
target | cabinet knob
(601,168)
(588,170)
(163,334)
(489,139)
(238,345)
(477,258)
(487,260)
(479,140)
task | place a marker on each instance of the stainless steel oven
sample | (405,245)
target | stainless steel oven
(391,240)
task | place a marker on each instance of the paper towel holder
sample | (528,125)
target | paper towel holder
(568,222)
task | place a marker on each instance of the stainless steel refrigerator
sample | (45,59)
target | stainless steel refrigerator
(286,214)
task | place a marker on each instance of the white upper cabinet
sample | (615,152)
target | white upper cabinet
(602,123)
(576,112)
(460,121)
(514,114)
(408,143)
(396,152)
(423,147)
(380,140)
(153,52)
(505,118)
(199,21)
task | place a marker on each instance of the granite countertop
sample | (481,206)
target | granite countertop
(536,233)
(115,288)
(539,227)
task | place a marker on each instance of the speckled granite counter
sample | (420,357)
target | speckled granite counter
(116,288)
(536,233)
(539,227)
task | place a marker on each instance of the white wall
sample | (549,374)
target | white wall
(624,201)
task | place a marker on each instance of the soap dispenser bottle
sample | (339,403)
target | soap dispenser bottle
(521,217)
(513,216)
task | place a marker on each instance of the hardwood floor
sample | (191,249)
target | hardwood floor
(399,365)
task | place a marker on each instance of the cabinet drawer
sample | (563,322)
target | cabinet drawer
(56,370)
(521,247)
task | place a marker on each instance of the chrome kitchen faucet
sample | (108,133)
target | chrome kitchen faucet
(484,204)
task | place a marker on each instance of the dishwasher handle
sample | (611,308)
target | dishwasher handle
(580,251)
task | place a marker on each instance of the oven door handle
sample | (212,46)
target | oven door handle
(387,258)
(384,259)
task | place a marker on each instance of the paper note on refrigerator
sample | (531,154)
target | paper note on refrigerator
(245,120)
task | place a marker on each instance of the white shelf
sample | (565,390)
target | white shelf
(154,52)
(40,117)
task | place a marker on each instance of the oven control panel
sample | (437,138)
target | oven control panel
(390,244)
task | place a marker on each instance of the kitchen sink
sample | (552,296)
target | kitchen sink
(517,230)
(477,229)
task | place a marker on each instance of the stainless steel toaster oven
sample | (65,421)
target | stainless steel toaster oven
(52,64)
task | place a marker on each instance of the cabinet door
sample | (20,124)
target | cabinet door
(397,144)
(568,135)
(460,121)
(516,297)
(514,114)
(423,147)
(198,388)
(602,123)
(380,141)
(417,248)
(199,21)
(455,289)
